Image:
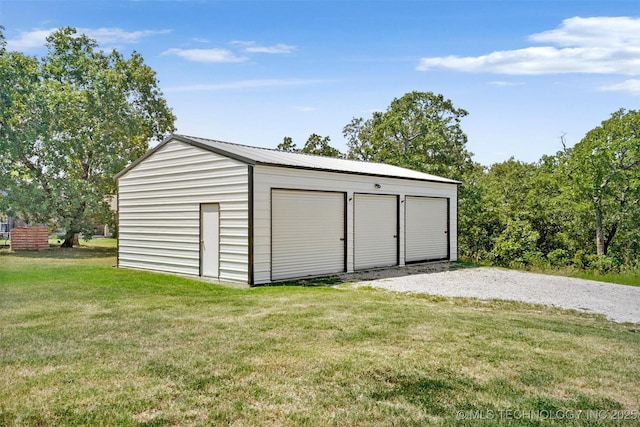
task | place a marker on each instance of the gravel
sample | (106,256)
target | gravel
(619,303)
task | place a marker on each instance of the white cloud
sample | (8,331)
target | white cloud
(631,86)
(609,32)
(501,83)
(601,45)
(277,48)
(220,55)
(29,40)
(206,55)
(304,109)
(246,84)
(36,39)
(117,35)
(253,47)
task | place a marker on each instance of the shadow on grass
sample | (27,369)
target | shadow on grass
(443,394)
(56,252)
(433,394)
(311,282)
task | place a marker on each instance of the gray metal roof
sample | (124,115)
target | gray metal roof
(267,156)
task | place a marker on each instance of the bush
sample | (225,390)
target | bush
(535,259)
(580,260)
(517,239)
(558,258)
(602,264)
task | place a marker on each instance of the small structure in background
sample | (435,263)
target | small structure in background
(6,224)
(30,238)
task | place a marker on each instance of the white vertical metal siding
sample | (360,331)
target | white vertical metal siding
(159,211)
(307,233)
(426,229)
(268,177)
(375,230)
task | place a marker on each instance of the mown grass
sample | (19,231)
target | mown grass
(83,343)
(630,278)
(96,242)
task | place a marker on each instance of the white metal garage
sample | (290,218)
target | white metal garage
(252,215)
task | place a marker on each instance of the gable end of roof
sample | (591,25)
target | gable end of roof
(186,140)
(271,157)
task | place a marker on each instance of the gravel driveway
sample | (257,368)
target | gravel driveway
(617,302)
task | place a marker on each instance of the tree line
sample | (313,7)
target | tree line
(72,119)
(578,207)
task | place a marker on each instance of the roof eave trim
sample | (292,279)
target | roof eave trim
(279,165)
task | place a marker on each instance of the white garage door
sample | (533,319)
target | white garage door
(307,233)
(426,228)
(375,231)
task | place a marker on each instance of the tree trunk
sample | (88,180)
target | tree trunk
(610,235)
(70,239)
(600,247)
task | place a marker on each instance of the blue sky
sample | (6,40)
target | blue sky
(253,72)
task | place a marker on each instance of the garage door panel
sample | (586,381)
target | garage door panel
(426,228)
(307,233)
(375,231)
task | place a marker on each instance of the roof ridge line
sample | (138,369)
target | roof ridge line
(281,151)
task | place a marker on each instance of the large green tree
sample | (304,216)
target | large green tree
(420,131)
(70,121)
(604,171)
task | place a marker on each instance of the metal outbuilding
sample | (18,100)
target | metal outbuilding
(253,215)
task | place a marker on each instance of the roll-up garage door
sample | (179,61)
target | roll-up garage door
(426,228)
(307,233)
(375,231)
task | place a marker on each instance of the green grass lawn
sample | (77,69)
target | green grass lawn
(83,343)
(630,279)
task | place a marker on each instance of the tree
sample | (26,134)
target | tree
(478,222)
(316,145)
(526,197)
(604,173)
(420,131)
(360,144)
(287,145)
(552,214)
(68,123)
(320,146)
(515,245)
(508,185)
